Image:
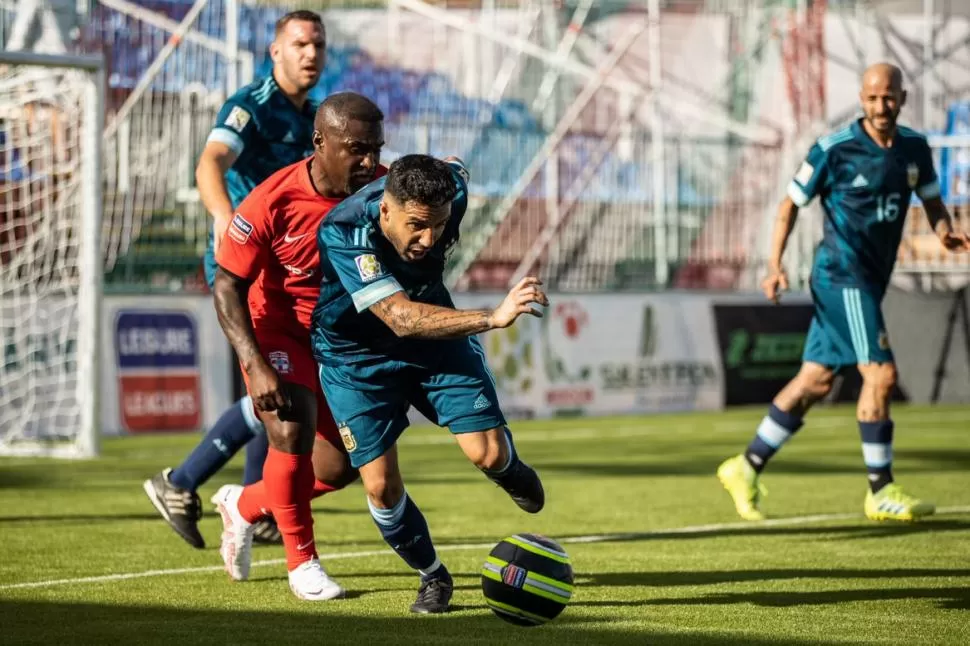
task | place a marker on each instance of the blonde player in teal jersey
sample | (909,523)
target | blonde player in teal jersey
(864,175)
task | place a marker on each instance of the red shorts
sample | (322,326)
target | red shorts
(293,361)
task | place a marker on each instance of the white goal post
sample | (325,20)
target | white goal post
(51,262)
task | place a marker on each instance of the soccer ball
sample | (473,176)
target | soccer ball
(527,579)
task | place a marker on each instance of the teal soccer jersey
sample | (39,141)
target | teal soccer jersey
(865,191)
(370,376)
(267,132)
(360,267)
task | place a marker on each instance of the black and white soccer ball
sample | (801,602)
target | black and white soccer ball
(527,579)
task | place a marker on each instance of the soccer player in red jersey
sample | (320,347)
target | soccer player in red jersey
(266,287)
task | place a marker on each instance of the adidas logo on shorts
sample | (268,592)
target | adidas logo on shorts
(481,403)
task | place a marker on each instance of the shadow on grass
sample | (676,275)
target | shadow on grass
(917,461)
(831,532)
(670,579)
(947,598)
(29,622)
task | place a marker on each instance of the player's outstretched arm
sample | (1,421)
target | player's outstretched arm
(939,217)
(231,295)
(411,319)
(777,279)
(210,176)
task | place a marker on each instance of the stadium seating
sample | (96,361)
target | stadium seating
(426,112)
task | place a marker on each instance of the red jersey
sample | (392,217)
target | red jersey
(272,241)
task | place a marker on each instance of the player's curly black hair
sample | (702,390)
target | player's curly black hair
(421,179)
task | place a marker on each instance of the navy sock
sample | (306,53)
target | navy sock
(255,457)
(775,429)
(406,531)
(877,451)
(229,434)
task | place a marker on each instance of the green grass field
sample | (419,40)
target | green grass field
(670,564)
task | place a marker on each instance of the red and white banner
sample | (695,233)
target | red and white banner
(166,366)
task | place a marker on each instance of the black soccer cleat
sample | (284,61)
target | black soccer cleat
(522,484)
(266,532)
(180,508)
(434,595)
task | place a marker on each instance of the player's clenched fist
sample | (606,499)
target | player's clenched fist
(267,389)
(954,241)
(774,284)
(527,292)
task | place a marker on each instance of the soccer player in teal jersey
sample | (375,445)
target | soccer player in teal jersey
(386,336)
(865,175)
(262,128)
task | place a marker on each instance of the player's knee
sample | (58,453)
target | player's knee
(384,492)
(816,382)
(287,437)
(882,377)
(336,475)
(490,452)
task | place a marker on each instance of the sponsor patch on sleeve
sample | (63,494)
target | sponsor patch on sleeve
(237,119)
(239,229)
(368,267)
(804,174)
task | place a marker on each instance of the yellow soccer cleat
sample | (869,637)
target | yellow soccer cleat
(741,481)
(892,503)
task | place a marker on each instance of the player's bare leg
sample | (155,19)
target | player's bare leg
(331,467)
(493,452)
(885,500)
(740,474)
(404,528)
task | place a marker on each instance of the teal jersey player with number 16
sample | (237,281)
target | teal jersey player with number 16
(865,176)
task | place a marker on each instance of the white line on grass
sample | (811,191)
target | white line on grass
(598,538)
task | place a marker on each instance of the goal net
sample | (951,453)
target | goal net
(50,257)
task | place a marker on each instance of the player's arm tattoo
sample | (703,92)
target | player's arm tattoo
(408,318)
(231,294)
(938,216)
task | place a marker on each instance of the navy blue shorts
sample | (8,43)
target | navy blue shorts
(454,388)
(847,328)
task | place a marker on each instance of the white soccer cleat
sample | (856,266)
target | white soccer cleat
(237,533)
(309,581)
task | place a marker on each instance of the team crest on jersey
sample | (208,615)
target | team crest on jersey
(883,340)
(240,229)
(368,266)
(804,173)
(350,443)
(912,175)
(237,119)
(280,362)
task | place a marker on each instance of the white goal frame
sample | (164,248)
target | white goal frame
(88,295)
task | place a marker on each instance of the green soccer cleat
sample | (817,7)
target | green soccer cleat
(892,503)
(741,481)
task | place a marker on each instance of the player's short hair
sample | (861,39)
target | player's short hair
(421,179)
(303,15)
(337,109)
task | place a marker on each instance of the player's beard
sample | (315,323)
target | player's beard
(883,122)
(303,78)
